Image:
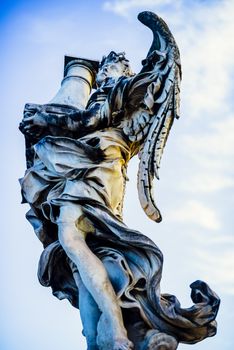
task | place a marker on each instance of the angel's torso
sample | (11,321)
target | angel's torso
(112,170)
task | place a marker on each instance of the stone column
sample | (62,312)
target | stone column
(79,78)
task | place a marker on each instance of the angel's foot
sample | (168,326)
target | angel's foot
(156,340)
(115,344)
(112,335)
(123,344)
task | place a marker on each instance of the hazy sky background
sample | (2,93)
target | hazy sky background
(195,192)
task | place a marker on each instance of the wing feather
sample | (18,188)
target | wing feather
(153,104)
(154,144)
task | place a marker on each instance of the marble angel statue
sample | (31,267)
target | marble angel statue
(78,149)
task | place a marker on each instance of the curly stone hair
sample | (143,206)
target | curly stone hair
(117,57)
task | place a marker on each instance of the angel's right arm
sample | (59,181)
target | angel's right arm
(61,117)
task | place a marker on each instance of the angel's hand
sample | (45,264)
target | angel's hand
(32,131)
(39,119)
(33,125)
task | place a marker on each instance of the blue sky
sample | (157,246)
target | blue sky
(195,192)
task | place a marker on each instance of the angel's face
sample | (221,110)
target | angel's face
(112,70)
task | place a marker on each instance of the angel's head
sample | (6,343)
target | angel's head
(113,66)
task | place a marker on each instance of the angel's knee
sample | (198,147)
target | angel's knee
(69,214)
(70,238)
(72,215)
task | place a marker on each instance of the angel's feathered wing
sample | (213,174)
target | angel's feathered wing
(153,103)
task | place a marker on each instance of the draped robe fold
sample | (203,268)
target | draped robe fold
(90,172)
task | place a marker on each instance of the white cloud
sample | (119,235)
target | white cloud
(218,265)
(215,239)
(123,7)
(212,153)
(207,51)
(218,141)
(195,212)
(207,183)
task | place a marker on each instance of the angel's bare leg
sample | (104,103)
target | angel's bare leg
(89,313)
(72,229)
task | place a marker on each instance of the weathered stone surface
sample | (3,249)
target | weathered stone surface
(78,147)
